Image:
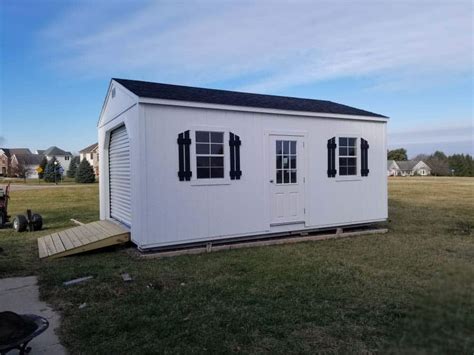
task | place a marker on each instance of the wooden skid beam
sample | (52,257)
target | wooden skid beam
(256,243)
(95,235)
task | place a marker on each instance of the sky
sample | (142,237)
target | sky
(409,60)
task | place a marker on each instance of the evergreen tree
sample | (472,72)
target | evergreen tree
(85,172)
(51,171)
(42,165)
(397,154)
(71,173)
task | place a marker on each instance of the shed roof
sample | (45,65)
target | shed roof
(234,98)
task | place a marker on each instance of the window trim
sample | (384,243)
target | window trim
(357,176)
(211,181)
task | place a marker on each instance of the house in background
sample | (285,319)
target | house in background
(5,158)
(63,157)
(229,165)
(407,168)
(24,165)
(91,154)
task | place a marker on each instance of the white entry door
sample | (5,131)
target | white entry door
(287,178)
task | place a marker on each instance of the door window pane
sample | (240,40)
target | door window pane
(286,161)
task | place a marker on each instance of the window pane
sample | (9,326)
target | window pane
(351,151)
(279,173)
(342,161)
(293,162)
(202,148)
(342,141)
(217,148)
(286,162)
(351,170)
(351,142)
(203,173)
(202,161)
(202,136)
(286,176)
(286,147)
(342,151)
(293,147)
(293,176)
(217,172)
(217,162)
(351,161)
(278,147)
(217,137)
(342,171)
(279,159)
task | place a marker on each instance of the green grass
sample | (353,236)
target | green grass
(409,291)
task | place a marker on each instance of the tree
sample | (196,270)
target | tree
(51,171)
(20,169)
(71,173)
(85,172)
(397,154)
(461,165)
(42,165)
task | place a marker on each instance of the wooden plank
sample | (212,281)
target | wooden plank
(64,235)
(57,243)
(113,227)
(104,228)
(101,231)
(93,233)
(76,241)
(82,234)
(49,245)
(43,252)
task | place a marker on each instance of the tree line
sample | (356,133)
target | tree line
(81,171)
(440,163)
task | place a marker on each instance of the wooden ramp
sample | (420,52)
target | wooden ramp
(83,238)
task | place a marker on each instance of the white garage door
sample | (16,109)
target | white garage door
(119,176)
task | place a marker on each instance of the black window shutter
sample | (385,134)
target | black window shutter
(234,144)
(184,143)
(332,157)
(364,157)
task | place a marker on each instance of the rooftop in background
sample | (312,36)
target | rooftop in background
(11,151)
(89,149)
(29,159)
(234,98)
(53,151)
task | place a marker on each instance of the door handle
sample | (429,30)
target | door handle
(271,181)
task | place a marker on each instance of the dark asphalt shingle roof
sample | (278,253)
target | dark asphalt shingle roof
(234,98)
(55,151)
(29,159)
(9,152)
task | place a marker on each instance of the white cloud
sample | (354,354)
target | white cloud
(275,44)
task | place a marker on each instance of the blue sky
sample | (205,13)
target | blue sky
(409,60)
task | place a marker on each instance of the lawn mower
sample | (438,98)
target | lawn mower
(32,221)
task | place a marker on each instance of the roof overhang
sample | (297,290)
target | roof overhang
(145,100)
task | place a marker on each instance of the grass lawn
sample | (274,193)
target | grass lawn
(409,291)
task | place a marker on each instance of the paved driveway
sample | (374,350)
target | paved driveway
(21,295)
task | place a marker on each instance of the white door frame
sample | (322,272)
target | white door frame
(269,159)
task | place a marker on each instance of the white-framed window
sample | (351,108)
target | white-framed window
(347,156)
(66,157)
(209,155)
(92,155)
(286,156)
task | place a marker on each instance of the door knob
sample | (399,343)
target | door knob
(271,181)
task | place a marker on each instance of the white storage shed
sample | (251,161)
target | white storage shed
(183,165)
